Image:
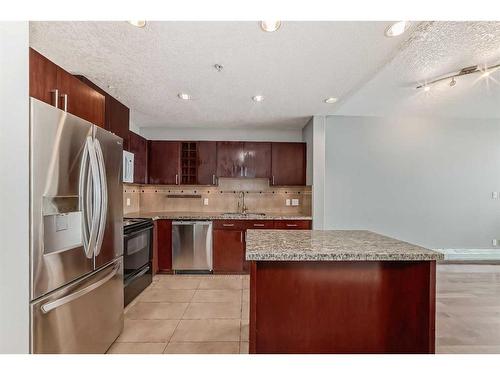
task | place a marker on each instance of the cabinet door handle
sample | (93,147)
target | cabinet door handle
(242,237)
(258,225)
(241,171)
(292,225)
(228,225)
(273,180)
(177,179)
(246,170)
(55,97)
(65,102)
(213,179)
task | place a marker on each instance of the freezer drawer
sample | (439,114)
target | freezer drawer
(84,317)
(192,246)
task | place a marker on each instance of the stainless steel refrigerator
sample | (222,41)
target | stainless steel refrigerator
(76,239)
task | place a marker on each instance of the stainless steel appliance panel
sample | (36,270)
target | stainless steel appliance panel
(60,168)
(192,245)
(109,149)
(84,317)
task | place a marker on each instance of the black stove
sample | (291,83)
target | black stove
(137,256)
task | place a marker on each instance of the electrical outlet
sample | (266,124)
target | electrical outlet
(287,202)
(128,202)
(295,202)
(205,201)
(494,242)
(494,195)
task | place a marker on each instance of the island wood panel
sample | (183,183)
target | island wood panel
(164,244)
(342,307)
(288,164)
(207,163)
(164,162)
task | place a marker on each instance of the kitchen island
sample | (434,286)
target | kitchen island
(340,292)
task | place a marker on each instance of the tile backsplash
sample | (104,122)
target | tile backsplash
(259,197)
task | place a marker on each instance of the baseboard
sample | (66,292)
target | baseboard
(471,255)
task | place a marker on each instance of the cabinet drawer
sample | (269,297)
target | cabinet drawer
(229,224)
(292,224)
(260,224)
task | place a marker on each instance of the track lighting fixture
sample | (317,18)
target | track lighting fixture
(462,72)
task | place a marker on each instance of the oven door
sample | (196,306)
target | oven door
(137,250)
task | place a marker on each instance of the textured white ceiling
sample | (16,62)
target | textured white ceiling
(434,49)
(295,68)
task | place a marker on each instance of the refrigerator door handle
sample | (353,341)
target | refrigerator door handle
(93,199)
(71,297)
(103,191)
(84,201)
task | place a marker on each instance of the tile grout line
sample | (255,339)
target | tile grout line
(179,322)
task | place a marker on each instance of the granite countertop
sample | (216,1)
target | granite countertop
(331,245)
(213,216)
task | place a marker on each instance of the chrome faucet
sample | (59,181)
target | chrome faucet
(241,203)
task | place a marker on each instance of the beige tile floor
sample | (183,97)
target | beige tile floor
(188,314)
(209,314)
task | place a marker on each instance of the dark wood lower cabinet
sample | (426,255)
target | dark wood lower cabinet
(228,251)
(229,241)
(164,244)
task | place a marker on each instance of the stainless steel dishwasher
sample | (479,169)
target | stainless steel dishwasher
(192,246)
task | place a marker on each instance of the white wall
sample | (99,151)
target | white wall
(426,181)
(207,134)
(314,135)
(14,189)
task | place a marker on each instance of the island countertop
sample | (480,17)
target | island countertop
(331,245)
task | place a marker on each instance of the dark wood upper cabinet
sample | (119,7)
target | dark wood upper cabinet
(117,115)
(164,162)
(230,159)
(139,147)
(43,77)
(73,95)
(244,159)
(207,163)
(257,160)
(288,164)
(118,119)
(81,100)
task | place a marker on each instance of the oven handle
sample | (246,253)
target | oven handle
(134,277)
(133,234)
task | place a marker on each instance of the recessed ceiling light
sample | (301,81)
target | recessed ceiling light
(270,26)
(184,96)
(396,28)
(331,100)
(140,24)
(427,88)
(485,74)
(258,98)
